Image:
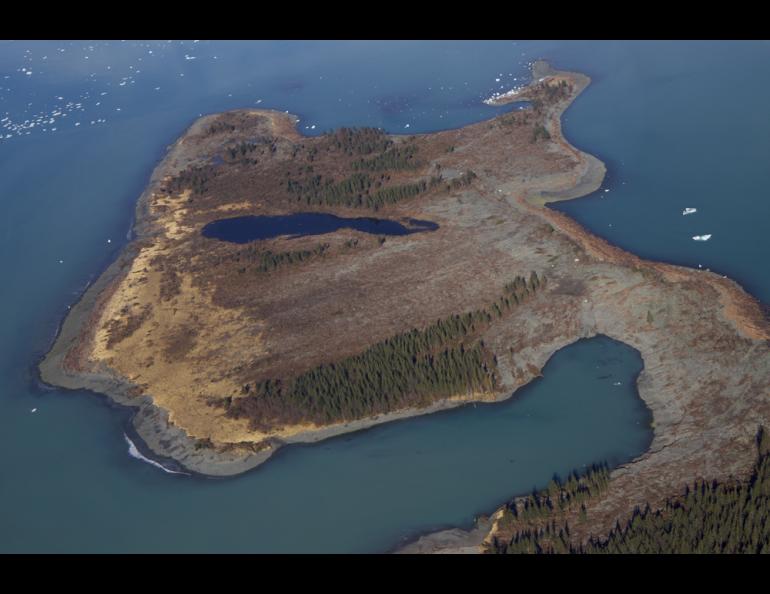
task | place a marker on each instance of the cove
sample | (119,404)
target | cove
(369,491)
(253,228)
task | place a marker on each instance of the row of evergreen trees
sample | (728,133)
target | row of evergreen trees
(240,150)
(358,190)
(561,495)
(252,257)
(195,178)
(359,141)
(536,517)
(413,368)
(395,158)
(219,127)
(710,517)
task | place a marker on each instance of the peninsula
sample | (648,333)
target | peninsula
(459,291)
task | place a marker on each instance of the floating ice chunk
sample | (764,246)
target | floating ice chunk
(702,237)
(688,211)
(34,410)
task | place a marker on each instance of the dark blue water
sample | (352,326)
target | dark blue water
(679,124)
(252,228)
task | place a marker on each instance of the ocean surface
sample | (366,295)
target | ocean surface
(679,124)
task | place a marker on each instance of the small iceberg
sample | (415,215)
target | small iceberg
(34,410)
(687,211)
(701,237)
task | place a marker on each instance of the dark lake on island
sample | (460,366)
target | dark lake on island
(252,228)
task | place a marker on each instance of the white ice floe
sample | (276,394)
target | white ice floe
(34,410)
(688,211)
(702,237)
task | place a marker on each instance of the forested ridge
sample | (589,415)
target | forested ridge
(413,368)
(709,517)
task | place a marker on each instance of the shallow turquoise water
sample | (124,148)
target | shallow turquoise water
(680,124)
(362,492)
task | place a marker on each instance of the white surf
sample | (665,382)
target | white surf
(135,453)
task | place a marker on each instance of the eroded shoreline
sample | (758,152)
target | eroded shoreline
(166,440)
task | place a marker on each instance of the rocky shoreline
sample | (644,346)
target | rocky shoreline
(699,413)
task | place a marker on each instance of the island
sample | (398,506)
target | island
(282,289)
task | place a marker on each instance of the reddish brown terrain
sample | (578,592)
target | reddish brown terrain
(195,331)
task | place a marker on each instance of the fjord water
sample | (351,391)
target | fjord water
(679,124)
(302,224)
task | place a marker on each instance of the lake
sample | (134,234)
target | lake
(679,124)
(252,228)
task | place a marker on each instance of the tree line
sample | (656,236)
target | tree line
(359,141)
(259,260)
(709,517)
(358,190)
(195,178)
(396,158)
(413,368)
